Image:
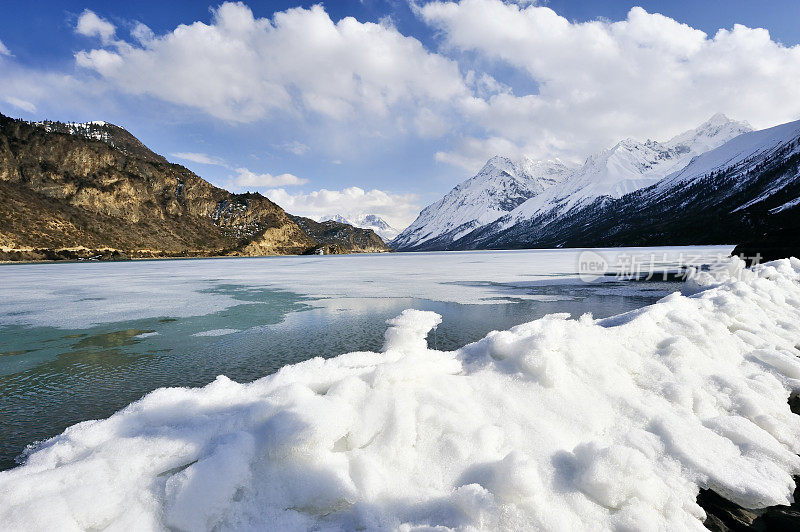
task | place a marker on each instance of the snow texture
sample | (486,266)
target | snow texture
(557,424)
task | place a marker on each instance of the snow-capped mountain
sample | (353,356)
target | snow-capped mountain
(631,165)
(744,191)
(628,166)
(366,221)
(500,186)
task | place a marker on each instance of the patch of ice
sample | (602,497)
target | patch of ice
(216,332)
(557,424)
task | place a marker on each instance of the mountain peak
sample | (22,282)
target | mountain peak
(714,132)
(718,119)
(499,187)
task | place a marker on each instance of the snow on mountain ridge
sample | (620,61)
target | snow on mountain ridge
(95,129)
(749,146)
(513,191)
(500,186)
(746,191)
(628,166)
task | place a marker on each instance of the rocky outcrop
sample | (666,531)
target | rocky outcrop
(94,191)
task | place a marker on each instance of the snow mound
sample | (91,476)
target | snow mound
(555,424)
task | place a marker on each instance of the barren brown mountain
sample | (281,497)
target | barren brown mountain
(71,191)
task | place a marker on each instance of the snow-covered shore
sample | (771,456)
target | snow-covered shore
(555,424)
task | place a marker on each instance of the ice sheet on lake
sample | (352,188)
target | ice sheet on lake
(79,295)
(557,424)
(216,332)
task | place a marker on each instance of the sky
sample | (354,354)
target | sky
(382,106)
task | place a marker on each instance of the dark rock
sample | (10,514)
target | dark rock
(724,516)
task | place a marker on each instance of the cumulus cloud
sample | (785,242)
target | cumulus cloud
(248,180)
(201,158)
(399,210)
(599,81)
(91,25)
(563,89)
(242,68)
(4,50)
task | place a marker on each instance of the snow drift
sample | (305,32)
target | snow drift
(555,424)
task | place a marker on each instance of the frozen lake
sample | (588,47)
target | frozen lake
(80,341)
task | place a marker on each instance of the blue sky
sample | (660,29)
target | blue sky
(386,112)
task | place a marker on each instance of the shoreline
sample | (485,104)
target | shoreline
(98,257)
(93,258)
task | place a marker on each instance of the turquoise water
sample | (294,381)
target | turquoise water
(53,376)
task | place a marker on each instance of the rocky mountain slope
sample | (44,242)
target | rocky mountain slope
(499,187)
(366,221)
(628,166)
(337,237)
(745,191)
(94,191)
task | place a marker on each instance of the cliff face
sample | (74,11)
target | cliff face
(96,191)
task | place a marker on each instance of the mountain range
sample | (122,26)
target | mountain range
(366,221)
(720,183)
(500,186)
(94,191)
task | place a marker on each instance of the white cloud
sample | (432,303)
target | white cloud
(348,87)
(142,33)
(21,104)
(201,158)
(4,50)
(397,209)
(600,81)
(300,63)
(248,180)
(470,153)
(295,147)
(90,25)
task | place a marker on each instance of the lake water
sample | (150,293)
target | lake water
(79,341)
